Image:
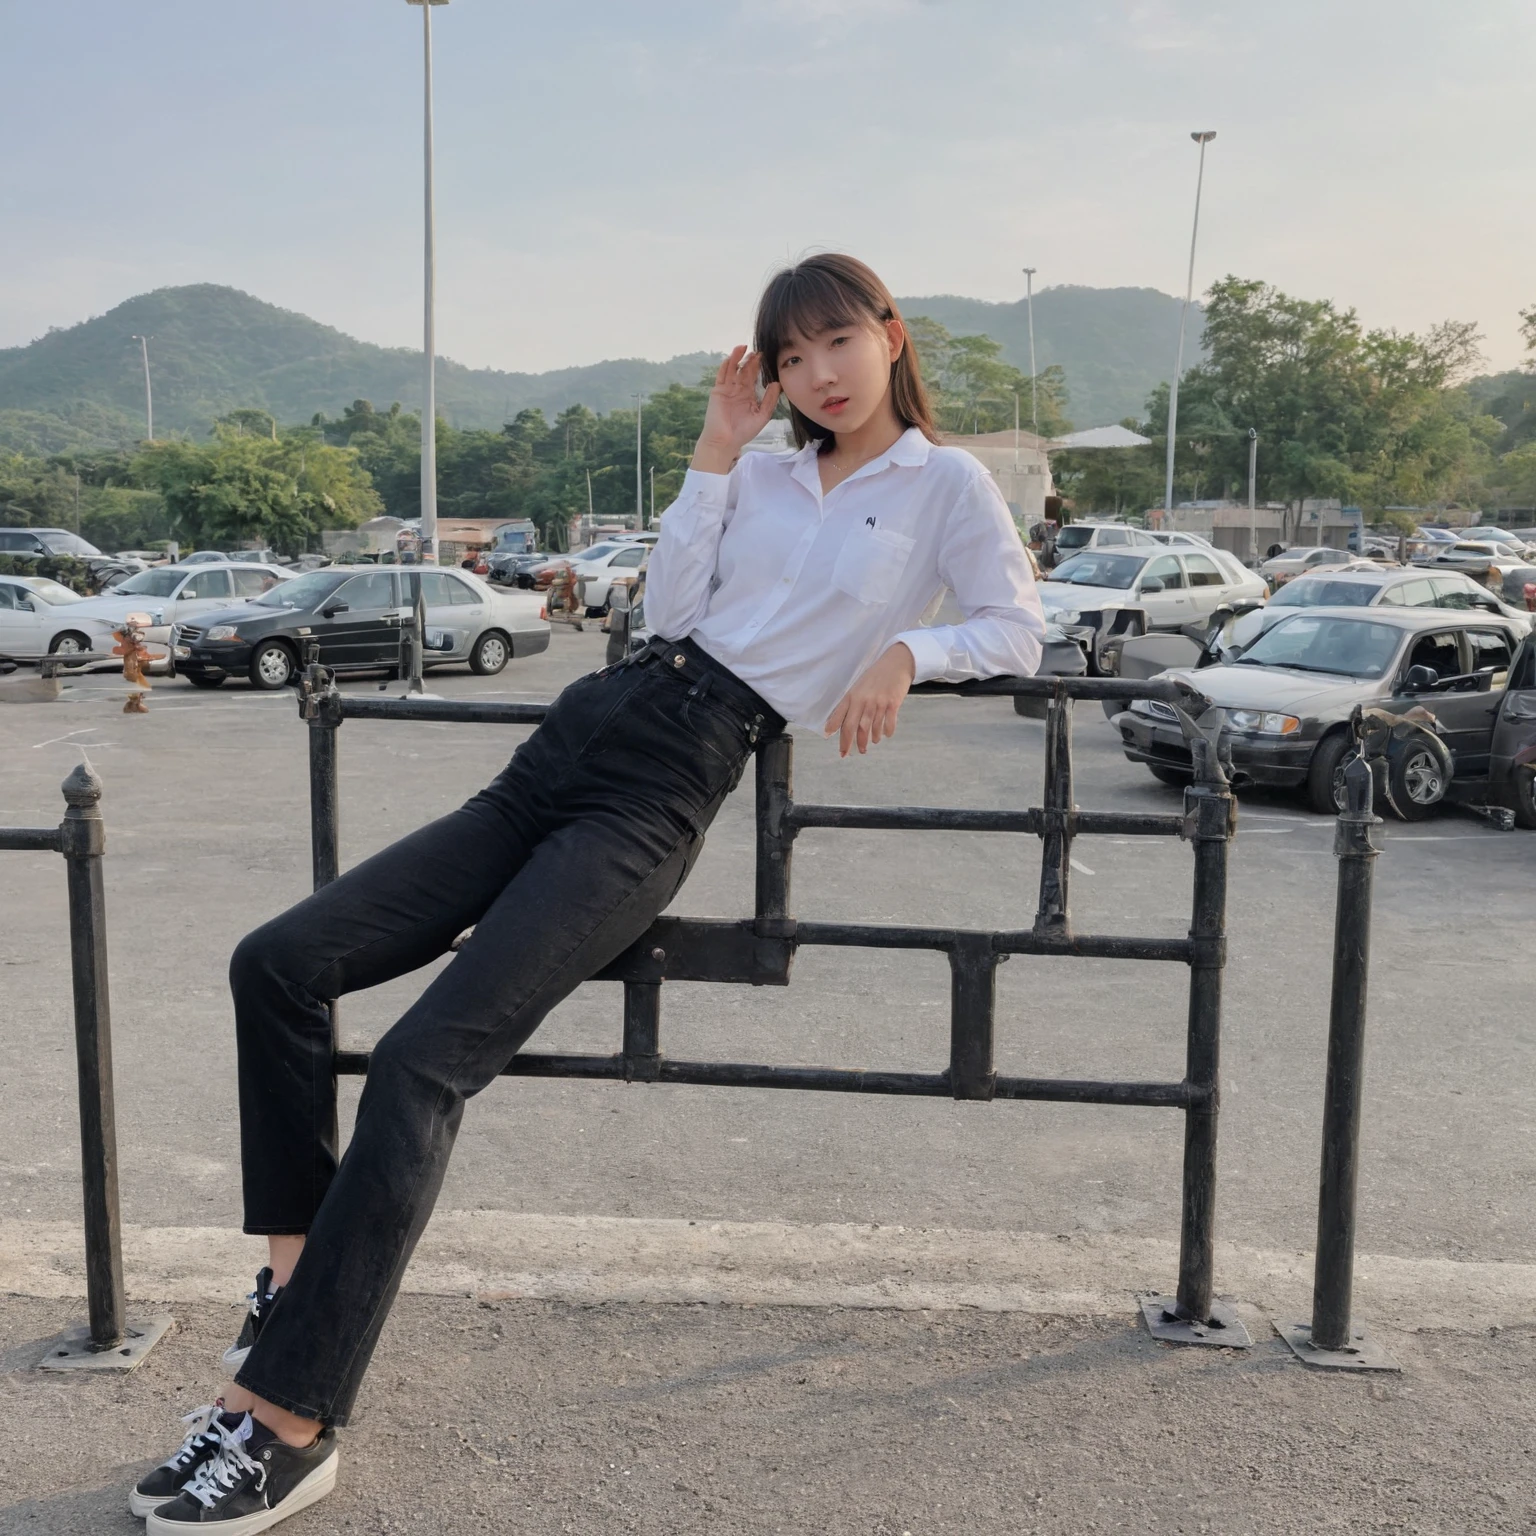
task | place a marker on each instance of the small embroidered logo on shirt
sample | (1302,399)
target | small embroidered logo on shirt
(869,522)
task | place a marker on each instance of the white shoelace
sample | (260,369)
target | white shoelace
(201,1420)
(218,1478)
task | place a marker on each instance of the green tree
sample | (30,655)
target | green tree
(974,390)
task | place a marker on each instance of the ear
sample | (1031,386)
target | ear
(896,338)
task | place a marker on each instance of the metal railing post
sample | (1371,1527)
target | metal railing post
(775,839)
(1331,1341)
(83,839)
(1194,1315)
(1052,919)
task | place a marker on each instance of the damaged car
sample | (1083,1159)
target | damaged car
(1290,698)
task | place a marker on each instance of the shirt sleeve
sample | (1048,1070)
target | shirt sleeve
(681,572)
(982,561)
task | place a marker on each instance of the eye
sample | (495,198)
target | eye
(788,362)
(838,341)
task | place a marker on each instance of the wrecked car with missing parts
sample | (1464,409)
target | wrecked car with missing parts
(1448,701)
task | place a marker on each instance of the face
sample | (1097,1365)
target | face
(841,378)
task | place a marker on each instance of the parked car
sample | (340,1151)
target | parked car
(1289,697)
(1074,538)
(1301,558)
(1178,537)
(43,543)
(38,618)
(1364,587)
(597,567)
(355,618)
(508,568)
(231,556)
(169,593)
(1102,597)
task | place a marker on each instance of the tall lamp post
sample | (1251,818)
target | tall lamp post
(1034,397)
(429,338)
(1253,478)
(639,475)
(1202,139)
(149,399)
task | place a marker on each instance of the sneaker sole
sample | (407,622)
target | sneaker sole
(314,1488)
(141,1505)
(234,1356)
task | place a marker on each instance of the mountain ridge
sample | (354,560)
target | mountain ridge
(215,349)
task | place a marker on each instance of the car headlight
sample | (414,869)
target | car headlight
(222,632)
(1264,721)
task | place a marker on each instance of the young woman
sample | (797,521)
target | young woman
(786,589)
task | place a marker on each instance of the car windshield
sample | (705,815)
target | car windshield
(300,592)
(596,552)
(69,544)
(1095,569)
(1073,538)
(1324,592)
(1340,647)
(155,583)
(51,591)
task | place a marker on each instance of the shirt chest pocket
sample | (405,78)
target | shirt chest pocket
(871,562)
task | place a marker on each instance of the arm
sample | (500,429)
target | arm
(682,566)
(981,561)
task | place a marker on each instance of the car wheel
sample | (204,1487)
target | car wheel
(203,679)
(1176,778)
(1325,782)
(70,643)
(1417,781)
(272,666)
(491,653)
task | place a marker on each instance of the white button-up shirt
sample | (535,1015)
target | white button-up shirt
(797,593)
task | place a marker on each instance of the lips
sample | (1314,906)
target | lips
(834,403)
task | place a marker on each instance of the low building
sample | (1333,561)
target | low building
(1018,462)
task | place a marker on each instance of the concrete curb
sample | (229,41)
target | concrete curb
(502,1254)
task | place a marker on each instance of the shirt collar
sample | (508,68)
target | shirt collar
(910,450)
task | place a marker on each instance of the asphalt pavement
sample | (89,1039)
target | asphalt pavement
(208,835)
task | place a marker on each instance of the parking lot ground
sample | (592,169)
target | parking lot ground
(542,1417)
(207,828)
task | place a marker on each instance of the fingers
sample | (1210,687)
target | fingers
(770,398)
(730,366)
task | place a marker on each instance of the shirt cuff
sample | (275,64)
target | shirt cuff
(928,651)
(707,489)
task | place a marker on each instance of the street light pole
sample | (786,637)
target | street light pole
(639,475)
(1202,139)
(653,493)
(1034,395)
(1253,468)
(429,338)
(149,399)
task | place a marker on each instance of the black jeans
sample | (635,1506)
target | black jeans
(560,864)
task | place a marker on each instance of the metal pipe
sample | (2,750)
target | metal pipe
(429,306)
(642,1030)
(922,818)
(1210,804)
(83,843)
(374,706)
(1034,396)
(1333,1278)
(972,1002)
(1052,918)
(30,840)
(775,838)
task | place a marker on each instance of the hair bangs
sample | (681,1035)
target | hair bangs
(806,302)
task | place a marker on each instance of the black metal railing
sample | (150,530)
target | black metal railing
(759,950)
(81,837)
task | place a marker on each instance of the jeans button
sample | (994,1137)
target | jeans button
(679,660)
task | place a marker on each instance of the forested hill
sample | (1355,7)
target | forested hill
(1115,345)
(215,349)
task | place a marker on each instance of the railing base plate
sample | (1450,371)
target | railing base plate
(1225,1329)
(1362,1354)
(72,1351)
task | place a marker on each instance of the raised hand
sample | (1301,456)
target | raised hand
(735,414)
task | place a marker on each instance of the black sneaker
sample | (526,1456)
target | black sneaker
(262,1300)
(250,1484)
(175,1472)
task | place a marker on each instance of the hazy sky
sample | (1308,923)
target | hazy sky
(616,178)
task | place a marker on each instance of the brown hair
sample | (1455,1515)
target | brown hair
(824,293)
